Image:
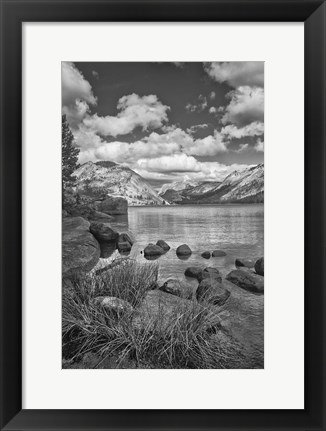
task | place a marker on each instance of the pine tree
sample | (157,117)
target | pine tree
(69,154)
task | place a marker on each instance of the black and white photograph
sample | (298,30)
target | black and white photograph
(162,215)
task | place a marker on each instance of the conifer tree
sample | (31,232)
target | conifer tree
(69,155)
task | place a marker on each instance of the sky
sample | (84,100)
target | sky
(167,121)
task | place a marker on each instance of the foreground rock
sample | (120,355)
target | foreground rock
(113,304)
(246,280)
(124,242)
(178,288)
(193,271)
(247,263)
(153,250)
(259,266)
(103,232)
(212,292)
(183,250)
(113,206)
(125,237)
(162,310)
(218,253)
(80,250)
(206,254)
(163,245)
(124,247)
(210,273)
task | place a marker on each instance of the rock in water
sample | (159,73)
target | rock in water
(80,250)
(218,253)
(210,273)
(111,303)
(178,288)
(153,250)
(246,280)
(125,237)
(103,232)
(248,263)
(212,291)
(124,246)
(113,206)
(259,266)
(193,271)
(183,250)
(163,245)
(206,254)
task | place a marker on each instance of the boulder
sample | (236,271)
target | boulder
(218,253)
(212,291)
(125,237)
(113,206)
(163,245)
(153,250)
(124,246)
(183,250)
(162,310)
(210,273)
(206,254)
(193,271)
(103,232)
(248,263)
(80,250)
(99,216)
(178,288)
(259,266)
(246,280)
(113,304)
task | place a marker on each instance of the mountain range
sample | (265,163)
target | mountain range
(109,178)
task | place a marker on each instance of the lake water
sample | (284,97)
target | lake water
(236,229)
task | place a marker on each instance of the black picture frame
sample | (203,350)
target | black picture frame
(13,14)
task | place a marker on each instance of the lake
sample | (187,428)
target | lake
(236,229)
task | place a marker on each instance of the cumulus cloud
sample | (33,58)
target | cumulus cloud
(196,127)
(246,106)
(176,167)
(212,95)
(259,145)
(200,106)
(253,129)
(146,112)
(212,110)
(237,73)
(77,93)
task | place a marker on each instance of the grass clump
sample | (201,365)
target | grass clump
(185,336)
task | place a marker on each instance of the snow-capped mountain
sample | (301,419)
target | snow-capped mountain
(184,184)
(246,185)
(108,178)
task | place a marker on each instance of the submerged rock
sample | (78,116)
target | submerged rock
(153,250)
(103,232)
(80,250)
(212,291)
(163,245)
(218,253)
(183,250)
(206,254)
(246,280)
(248,263)
(178,288)
(259,266)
